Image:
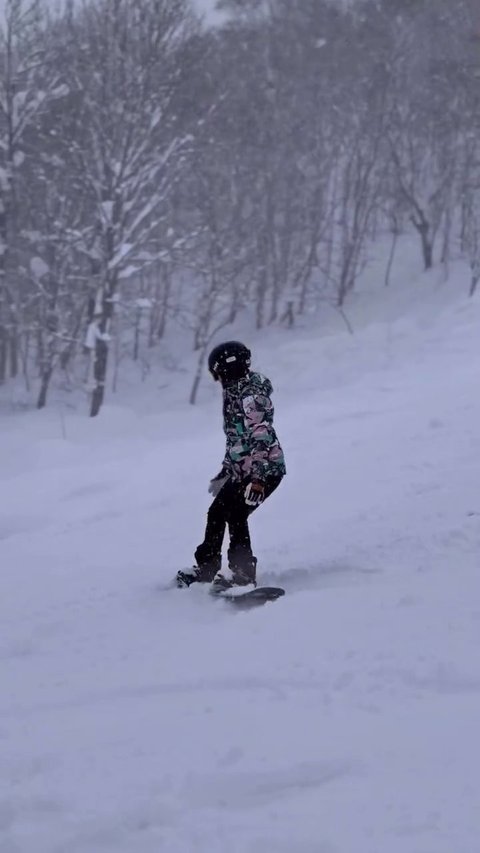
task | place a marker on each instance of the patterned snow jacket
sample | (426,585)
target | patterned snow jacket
(253,449)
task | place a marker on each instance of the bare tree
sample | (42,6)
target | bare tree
(131,150)
(217,254)
(472,234)
(28,83)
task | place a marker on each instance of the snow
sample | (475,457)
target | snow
(343,718)
(38,267)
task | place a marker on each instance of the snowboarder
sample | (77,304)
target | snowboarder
(252,469)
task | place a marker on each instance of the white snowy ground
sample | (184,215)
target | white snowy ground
(345,717)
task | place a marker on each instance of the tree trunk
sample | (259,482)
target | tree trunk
(99,375)
(343,289)
(262,283)
(100,358)
(69,350)
(198,374)
(288,316)
(159,313)
(13,351)
(3,353)
(423,228)
(136,333)
(3,294)
(103,309)
(303,295)
(347,274)
(45,382)
(464,219)
(427,250)
(26,359)
(391,257)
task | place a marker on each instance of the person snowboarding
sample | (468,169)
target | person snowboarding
(252,469)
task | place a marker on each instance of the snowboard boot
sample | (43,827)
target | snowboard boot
(185,577)
(223,580)
(226,578)
(203,573)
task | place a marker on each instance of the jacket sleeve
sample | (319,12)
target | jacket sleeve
(257,419)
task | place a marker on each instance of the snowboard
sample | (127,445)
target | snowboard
(251,598)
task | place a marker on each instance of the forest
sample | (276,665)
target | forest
(158,176)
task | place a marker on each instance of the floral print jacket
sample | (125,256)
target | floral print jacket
(253,450)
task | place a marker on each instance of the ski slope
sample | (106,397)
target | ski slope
(344,718)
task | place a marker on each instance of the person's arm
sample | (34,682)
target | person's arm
(257,409)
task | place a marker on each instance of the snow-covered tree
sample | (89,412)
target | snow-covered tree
(28,84)
(125,65)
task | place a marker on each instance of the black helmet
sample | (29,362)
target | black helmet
(229,361)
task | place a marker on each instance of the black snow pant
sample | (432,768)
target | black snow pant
(229,508)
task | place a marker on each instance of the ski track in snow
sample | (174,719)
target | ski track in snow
(342,718)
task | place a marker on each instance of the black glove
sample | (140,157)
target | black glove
(218,482)
(254,493)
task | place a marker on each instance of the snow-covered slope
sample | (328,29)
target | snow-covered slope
(341,719)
